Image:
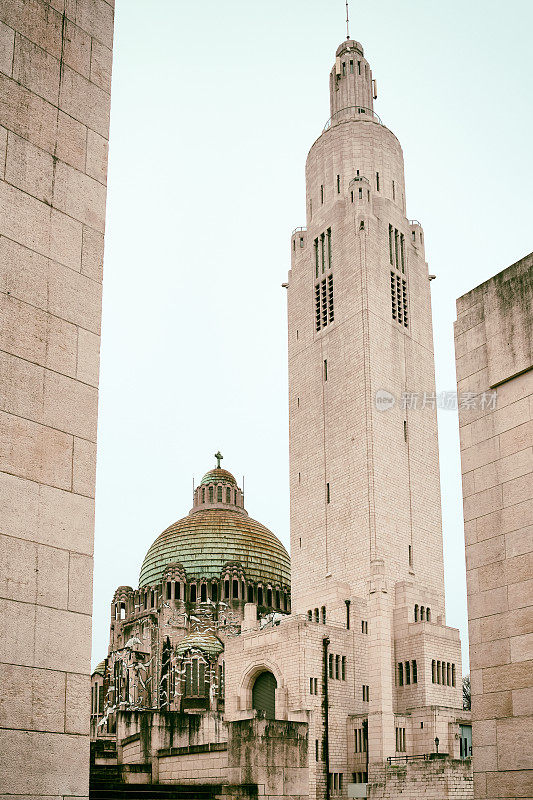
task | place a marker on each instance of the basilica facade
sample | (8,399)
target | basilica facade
(232,667)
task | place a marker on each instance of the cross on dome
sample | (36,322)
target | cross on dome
(219,457)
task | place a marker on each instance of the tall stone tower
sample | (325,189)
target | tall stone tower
(364,481)
(364,475)
(55,84)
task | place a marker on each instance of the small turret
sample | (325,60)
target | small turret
(351,88)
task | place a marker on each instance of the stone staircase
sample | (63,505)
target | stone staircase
(106,784)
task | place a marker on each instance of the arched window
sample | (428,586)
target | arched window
(264,695)
(228,495)
(428,614)
(203,592)
(226,589)
(250,593)
(416,612)
(235,495)
(219,494)
(323,614)
(210,494)
(203,495)
(259,595)
(285,603)
(235,589)
(317,618)
(278,605)
(269,597)
(422,613)
(192,593)
(214,591)
(177,590)
(310,615)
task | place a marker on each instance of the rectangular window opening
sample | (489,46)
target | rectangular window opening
(327,493)
(326,372)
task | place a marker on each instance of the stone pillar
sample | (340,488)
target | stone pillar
(381,734)
(55,81)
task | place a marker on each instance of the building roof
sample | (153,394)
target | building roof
(218,475)
(206,642)
(207,540)
(99,669)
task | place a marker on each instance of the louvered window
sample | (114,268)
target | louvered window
(398,290)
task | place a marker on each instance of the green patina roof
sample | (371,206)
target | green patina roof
(100,669)
(206,540)
(206,642)
(218,475)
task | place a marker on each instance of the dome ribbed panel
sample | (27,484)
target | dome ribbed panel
(218,475)
(206,540)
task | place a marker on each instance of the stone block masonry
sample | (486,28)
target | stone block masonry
(55,72)
(493,346)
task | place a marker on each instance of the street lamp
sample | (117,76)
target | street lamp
(437,745)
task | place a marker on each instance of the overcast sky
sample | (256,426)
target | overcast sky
(214,107)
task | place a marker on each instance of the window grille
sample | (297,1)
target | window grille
(398,288)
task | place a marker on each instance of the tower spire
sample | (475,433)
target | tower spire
(347,21)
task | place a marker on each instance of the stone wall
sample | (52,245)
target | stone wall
(55,81)
(493,347)
(267,758)
(433,780)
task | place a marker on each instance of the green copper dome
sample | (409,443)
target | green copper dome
(208,539)
(206,642)
(218,475)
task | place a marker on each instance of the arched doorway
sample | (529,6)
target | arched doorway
(264,694)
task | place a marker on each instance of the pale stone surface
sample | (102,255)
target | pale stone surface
(498,448)
(55,58)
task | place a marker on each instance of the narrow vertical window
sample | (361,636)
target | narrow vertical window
(317,307)
(327,493)
(428,614)
(407,673)
(338,184)
(400,674)
(328,232)
(453,674)
(351,66)
(228,495)
(343,68)
(360,193)
(316,749)
(301,241)
(405,430)
(169,590)
(203,592)
(402,251)
(337,667)
(414,671)
(377,181)
(330,298)
(396,248)
(324,303)
(316,258)
(323,251)
(325,370)
(343,668)
(416,608)
(410,556)
(390,245)
(330,666)
(203,495)
(321,193)
(358,67)
(323,614)
(433,672)
(219,494)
